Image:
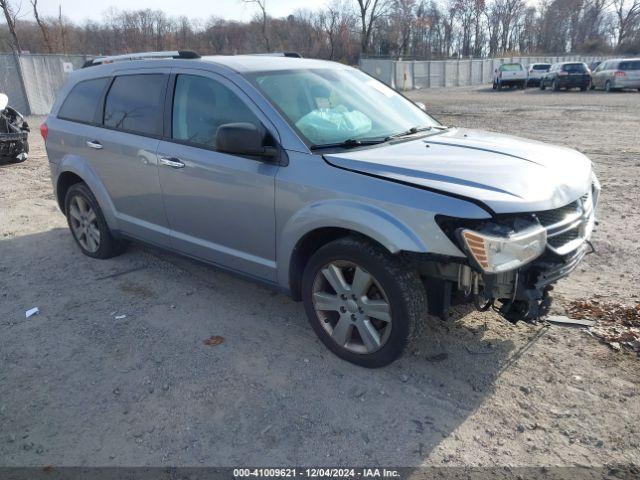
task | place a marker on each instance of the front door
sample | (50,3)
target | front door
(220,207)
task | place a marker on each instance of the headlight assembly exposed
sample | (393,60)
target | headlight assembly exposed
(495,254)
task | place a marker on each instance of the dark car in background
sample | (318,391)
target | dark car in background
(617,75)
(567,75)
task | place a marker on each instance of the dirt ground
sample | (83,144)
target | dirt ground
(82,385)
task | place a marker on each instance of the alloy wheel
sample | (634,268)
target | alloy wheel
(84,224)
(352,307)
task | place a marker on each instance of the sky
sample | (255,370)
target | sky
(78,10)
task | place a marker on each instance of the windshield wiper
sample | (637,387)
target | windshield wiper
(357,142)
(350,143)
(411,131)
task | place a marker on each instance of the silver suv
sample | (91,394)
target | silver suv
(317,179)
(613,75)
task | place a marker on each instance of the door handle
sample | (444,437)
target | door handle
(171,162)
(94,144)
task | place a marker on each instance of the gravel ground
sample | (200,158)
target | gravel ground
(82,385)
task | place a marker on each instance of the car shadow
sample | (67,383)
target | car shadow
(115,362)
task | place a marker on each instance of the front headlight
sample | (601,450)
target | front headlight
(496,254)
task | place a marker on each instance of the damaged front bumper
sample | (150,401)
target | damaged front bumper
(14,146)
(521,293)
(524,293)
(14,132)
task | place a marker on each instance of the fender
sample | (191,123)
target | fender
(80,167)
(368,220)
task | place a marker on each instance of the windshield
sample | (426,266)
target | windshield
(542,66)
(511,67)
(574,68)
(332,106)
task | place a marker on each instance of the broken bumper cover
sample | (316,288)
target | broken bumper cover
(533,282)
(12,144)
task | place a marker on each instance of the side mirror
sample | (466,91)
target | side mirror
(243,139)
(421,106)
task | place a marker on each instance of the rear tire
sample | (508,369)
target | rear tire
(370,284)
(607,87)
(556,86)
(499,86)
(87,224)
(542,86)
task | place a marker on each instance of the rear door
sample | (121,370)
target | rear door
(220,207)
(123,151)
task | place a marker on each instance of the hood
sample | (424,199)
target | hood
(508,174)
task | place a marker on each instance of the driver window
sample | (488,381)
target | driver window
(201,105)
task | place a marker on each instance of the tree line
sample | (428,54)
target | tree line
(343,30)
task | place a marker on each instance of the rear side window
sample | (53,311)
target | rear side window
(630,65)
(135,104)
(82,102)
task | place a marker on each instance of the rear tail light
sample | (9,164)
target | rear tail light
(562,74)
(620,74)
(44,131)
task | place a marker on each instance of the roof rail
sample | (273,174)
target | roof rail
(277,54)
(186,54)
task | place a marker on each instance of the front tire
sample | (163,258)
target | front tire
(364,304)
(87,224)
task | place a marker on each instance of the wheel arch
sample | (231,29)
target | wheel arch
(65,181)
(73,170)
(318,225)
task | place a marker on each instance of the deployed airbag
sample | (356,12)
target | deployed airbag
(332,125)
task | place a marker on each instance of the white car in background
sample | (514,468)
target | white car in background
(535,72)
(509,75)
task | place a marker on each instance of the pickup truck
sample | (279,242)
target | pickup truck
(509,75)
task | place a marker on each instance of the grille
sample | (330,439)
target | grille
(563,238)
(551,217)
(568,226)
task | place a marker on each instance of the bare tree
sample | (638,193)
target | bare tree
(11,14)
(262,5)
(370,11)
(628,16)
(43,27)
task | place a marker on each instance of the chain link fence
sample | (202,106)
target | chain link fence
(416,74)
(32,81)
